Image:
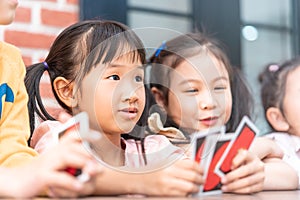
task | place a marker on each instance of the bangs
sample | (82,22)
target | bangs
(125,43)
(107,41)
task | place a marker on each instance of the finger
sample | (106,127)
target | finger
(241,157)
(64,181)
(244,171)
(190,176)
(190,165)
(72,136)
(247,190)
(244,183)
(61,193)
(179,187)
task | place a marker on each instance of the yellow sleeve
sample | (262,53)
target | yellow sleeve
(14,119)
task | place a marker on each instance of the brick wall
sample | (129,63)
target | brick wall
(36,25)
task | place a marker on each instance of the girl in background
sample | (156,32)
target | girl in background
(280,86)
(192,80)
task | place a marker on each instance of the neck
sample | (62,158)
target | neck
(109,150)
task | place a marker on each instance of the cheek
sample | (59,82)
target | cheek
(228,107)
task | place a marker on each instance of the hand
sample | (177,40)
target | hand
(68,153)
(180,179)
(247,175)
(266,148)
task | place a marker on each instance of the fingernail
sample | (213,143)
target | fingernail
(224,188)
(223,180)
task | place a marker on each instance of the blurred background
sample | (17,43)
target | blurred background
(255,32)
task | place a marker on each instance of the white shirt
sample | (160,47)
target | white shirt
(290,144)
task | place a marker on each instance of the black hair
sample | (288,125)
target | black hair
(75,51)
(173,52)
(273,84)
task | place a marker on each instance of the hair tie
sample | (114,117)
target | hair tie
(273,68)
(160,48)
(46,66)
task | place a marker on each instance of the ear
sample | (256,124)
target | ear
(65,91)
(277,120)
(159,98)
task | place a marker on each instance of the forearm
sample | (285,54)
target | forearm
(279,175)
(113,182)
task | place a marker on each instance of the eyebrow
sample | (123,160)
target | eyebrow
(197,80)
(119,65)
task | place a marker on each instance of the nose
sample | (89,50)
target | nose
(131,98)
(207,101)
(130,93)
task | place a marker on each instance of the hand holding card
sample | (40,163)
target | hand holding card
(79,124)
(243,138)
(214,150)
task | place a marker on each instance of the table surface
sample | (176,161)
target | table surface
(266,195)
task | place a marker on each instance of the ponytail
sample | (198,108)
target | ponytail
(35,104)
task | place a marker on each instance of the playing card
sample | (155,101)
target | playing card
(80,124)
(219,144)
(243,137)
(204,151)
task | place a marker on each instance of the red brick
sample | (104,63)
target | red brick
(58,18)
(27,60)
(29,40)
(23,15)
(46,91)
(72,2)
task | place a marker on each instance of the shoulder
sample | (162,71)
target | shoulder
(8,49)
(278,136)
(11,62)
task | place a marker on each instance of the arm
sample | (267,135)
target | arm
(14,122)
(266,148)
(46,172)
(279,175)
(179,179)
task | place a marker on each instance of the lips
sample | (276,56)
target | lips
(130,112)
(209,121)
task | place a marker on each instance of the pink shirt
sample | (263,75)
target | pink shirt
(158,149)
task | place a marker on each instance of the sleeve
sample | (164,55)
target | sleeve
(14,121)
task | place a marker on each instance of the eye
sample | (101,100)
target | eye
(220,88)
(114,77)
(192,90)
(138,78)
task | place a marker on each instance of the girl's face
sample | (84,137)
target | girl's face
(7,11)
(291,105)
(114,96)
(200,95)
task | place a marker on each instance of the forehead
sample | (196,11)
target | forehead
(201,66)
(293,77)
(128,58)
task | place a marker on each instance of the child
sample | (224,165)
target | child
(110,64)
(29,175)
(279,94)
(96,66)
(194,83)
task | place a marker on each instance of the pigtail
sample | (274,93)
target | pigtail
(268,80)
(242,100)
(35,104)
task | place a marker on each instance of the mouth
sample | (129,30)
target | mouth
(130,110)
(209,121)
(130,113)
